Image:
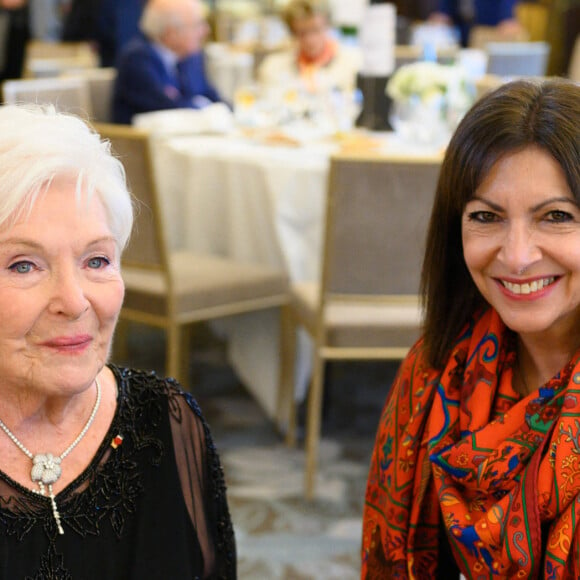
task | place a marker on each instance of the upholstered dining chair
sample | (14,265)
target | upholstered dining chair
(480,36)
(66,94)
(574,67)
(510,59)
(46,58)
(100,81)
(366,305)
(173,289)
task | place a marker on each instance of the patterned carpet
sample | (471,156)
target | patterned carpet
(281,536)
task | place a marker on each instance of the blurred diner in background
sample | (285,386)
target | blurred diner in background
(317,61)
(163,67)
(244,147)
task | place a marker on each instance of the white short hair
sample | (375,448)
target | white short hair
(39,145)
(160,15)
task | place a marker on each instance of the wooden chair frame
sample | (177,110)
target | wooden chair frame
(397,301)
(271,287)
(66,94)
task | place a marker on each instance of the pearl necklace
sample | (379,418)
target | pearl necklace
(46,468)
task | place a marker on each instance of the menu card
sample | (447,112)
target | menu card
(348,12)
(377,40)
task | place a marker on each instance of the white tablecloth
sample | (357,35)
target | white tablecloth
(257,202)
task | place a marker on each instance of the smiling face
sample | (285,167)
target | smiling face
(521,244)
(60,294)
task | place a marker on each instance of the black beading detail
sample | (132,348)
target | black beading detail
(107,492)
(51,567)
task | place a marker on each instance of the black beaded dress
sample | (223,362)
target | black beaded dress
(151,505)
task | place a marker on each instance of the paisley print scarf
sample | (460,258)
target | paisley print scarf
(459,449)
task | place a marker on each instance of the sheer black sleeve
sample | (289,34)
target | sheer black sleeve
(203,485)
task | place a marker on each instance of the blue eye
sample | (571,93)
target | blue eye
(22,267)
(99,262)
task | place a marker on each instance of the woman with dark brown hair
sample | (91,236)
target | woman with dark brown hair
(476,464)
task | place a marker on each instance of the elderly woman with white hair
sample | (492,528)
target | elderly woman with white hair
(105,472)
(164,67)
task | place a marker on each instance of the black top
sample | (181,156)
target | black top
(447,568)
(152,507)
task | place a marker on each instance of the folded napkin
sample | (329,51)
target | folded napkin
(215,118)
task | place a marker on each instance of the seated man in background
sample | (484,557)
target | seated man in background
(164,68)
(318,62)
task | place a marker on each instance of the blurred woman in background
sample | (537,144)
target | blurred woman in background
(317,62)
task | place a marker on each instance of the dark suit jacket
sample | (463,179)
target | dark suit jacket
(108,23)
(486,13)
(144,84)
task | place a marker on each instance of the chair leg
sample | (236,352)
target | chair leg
(313,427)
(173,354)
(286,404)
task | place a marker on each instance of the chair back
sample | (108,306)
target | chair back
(70,95)
(146,248)
(100,83)
(574,68)
(480,36)
(517,58)
(47,59)
(410,53)
(533,16)
(377,215)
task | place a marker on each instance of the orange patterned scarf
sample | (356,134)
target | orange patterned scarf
(308,67)
(461,449)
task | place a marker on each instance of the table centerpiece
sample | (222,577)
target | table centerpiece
(428,100)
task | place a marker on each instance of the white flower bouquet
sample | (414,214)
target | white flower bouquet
(434,95)
(427,80)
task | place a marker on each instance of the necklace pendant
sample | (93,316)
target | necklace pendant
(45,468)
